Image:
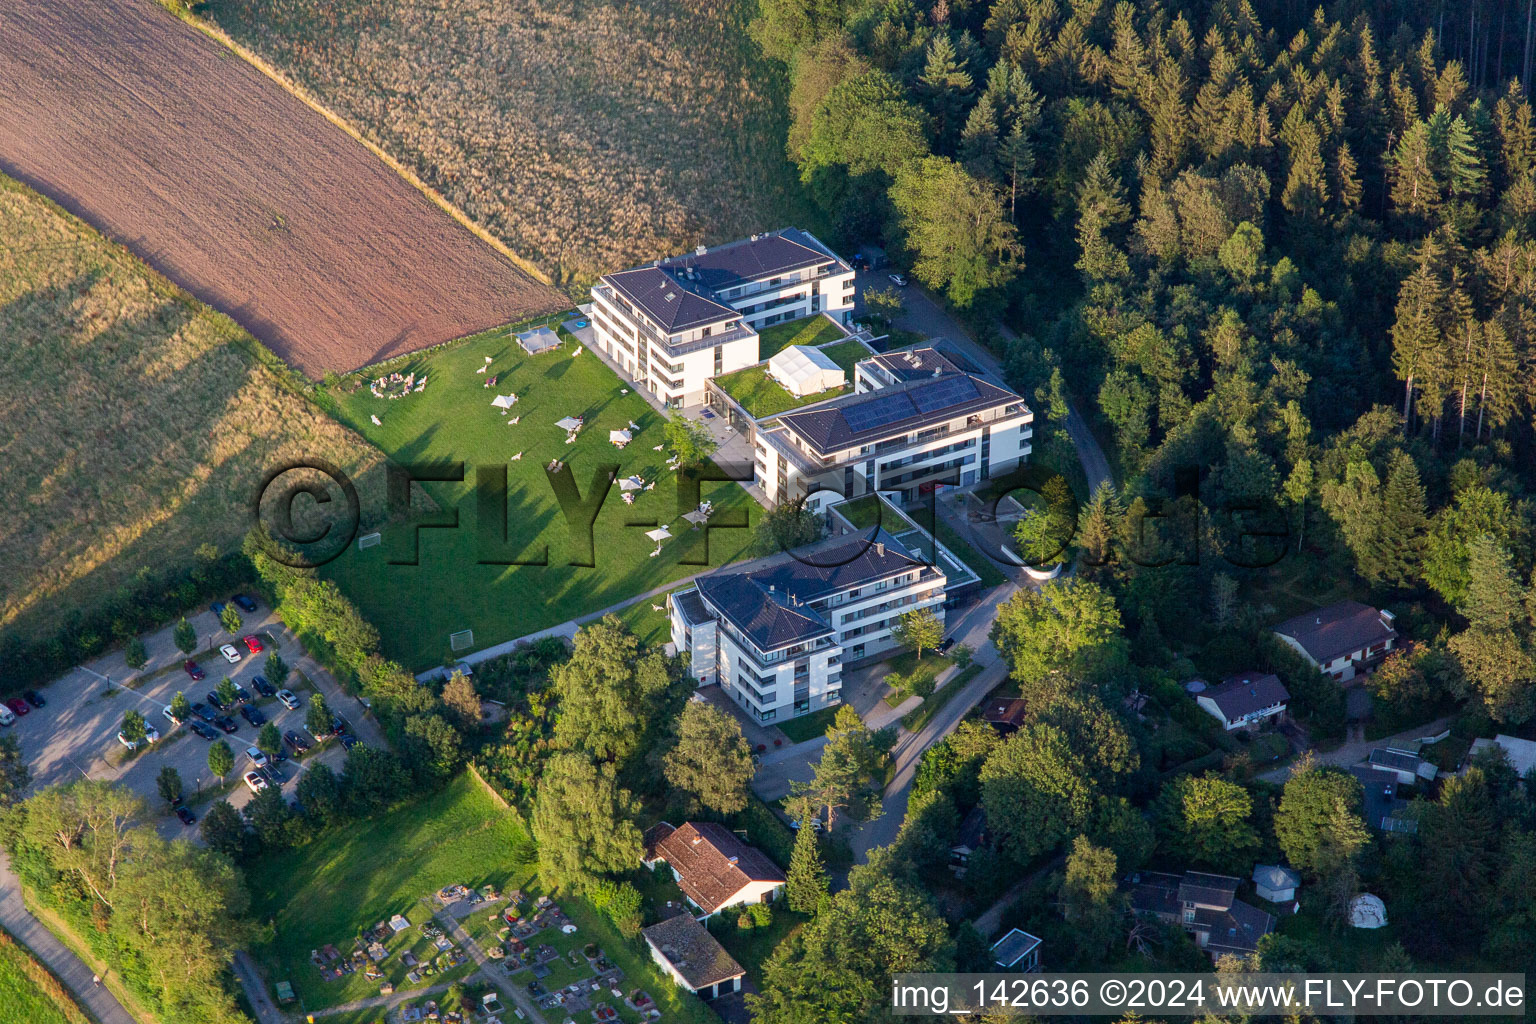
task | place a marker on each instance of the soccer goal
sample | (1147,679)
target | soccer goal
(462,639)
(369,540)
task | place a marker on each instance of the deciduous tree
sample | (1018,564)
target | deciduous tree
(583,822)
(711,762)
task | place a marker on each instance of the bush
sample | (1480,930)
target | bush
(761,914)
(745,921)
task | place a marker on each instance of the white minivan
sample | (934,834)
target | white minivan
(7,716)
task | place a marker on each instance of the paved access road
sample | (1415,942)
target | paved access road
(69,969)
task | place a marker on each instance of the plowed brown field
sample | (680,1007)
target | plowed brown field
(238,191)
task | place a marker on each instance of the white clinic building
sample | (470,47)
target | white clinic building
(916,421)
(775,633)
(676,323)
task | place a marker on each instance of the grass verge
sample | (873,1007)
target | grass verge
(921,715)
(808,727)
(29,992)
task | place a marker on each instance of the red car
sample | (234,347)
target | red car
(253,644)
(192,670)
(18,705)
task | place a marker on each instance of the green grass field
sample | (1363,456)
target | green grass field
(811,330)
(761,396)
(361,874)
(29,994)
(356,876)
(453,588)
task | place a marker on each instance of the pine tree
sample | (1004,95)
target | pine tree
(946,84)
(1464,164)
(1497,369)
(1404,523)
(1101,207)
(978,142)
(1415,188)
(1016,162)
(1416,333)
(807,880)
(1495,598)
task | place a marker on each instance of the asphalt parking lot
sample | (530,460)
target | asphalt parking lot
(75,734)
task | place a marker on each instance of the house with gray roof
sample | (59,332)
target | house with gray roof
(775,633)
(674,324)
(1017,951)
(1343,639)
(916,421)
(692,957)
(1275,882)
(1404,765)
(1246,700)
(1205,905)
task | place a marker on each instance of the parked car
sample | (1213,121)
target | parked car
(19,706)
(288,699)
(899,280)
(186,816)
(34,698)
(945,645)
(192,670)
(258,758)
(203,729)
(217,607)
(170,716)
(230,654)
(296,741)
(245,602)
(253,644)
(7,717)
(255,782)
(339,725)
(218,702)
(348,741)
(263,687)
(252,714)
(242,694)
(204,712)
(151,734)
(225,723)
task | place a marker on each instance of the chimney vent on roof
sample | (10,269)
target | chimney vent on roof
(880,548)
(697,840)
(732,859)
(700,251)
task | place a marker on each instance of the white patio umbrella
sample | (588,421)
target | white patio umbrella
(631,483)
(504,401)
(568,424)
(620,437)
(658,535)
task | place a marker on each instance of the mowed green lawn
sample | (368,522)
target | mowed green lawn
(358,875)
(28,993)
(453,588)
(811,330)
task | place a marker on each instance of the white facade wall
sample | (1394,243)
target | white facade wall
(765,688)
(1009,441)
(1211,708)
(678,380)
(1346,666)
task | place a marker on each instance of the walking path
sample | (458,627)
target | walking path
(249,978)
(58,958)
(502,984)
(385,1002)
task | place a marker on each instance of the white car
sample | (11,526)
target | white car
(230,654)
(151,734)
(254,782)
(899,280)
(258,758)
(289,699)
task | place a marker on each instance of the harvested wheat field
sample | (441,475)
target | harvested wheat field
(587,136)
(238,191)
(139,424)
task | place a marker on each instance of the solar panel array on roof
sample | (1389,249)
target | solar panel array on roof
(943,394)
(878,412)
